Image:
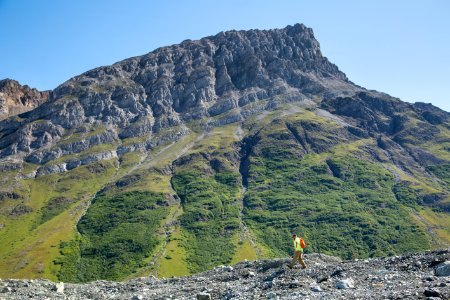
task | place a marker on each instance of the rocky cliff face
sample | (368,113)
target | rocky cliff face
(173,85)
(16,99)
(193,80)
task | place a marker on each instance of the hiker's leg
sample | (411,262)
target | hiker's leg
(294,259)
(300,259)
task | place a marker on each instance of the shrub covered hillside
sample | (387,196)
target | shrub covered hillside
(236,191)
(215,151)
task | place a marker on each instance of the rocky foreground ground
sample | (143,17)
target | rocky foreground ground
(416,276)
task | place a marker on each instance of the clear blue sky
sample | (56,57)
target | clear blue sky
(398,47)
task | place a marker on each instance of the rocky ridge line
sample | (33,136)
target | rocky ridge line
(174,85)
(221,79)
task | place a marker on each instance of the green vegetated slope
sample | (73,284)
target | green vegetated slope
(140,224)
(207,181)
(117,233)
(313,177)
(233,192)
(43,214)
(124,228)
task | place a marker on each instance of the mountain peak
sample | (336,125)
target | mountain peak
(196,77)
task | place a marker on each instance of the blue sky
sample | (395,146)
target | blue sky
(398,47)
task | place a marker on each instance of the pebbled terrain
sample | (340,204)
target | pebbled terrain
(414,276)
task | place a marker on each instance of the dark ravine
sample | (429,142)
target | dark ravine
(247,145)
(415,276)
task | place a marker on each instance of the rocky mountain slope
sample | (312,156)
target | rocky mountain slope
(214,151)
(16,99)
(416,276)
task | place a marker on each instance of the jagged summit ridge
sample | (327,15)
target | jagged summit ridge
(175,84)
(197,76)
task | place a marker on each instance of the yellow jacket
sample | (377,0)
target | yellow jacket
(297,246)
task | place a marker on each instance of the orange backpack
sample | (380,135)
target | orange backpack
(302,243)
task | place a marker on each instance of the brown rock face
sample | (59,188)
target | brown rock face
(16,98)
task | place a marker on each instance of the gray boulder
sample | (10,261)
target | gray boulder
(443,269)
(347,283)
(203,296)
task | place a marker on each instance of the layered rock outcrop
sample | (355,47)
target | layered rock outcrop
(16,98)
(176,84)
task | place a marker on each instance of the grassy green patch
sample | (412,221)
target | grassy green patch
(54,207)
(174,263)
(439,223)
(29,245)
(442,172)
(245,250)
(117,234)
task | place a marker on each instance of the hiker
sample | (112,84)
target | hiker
(299,244)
